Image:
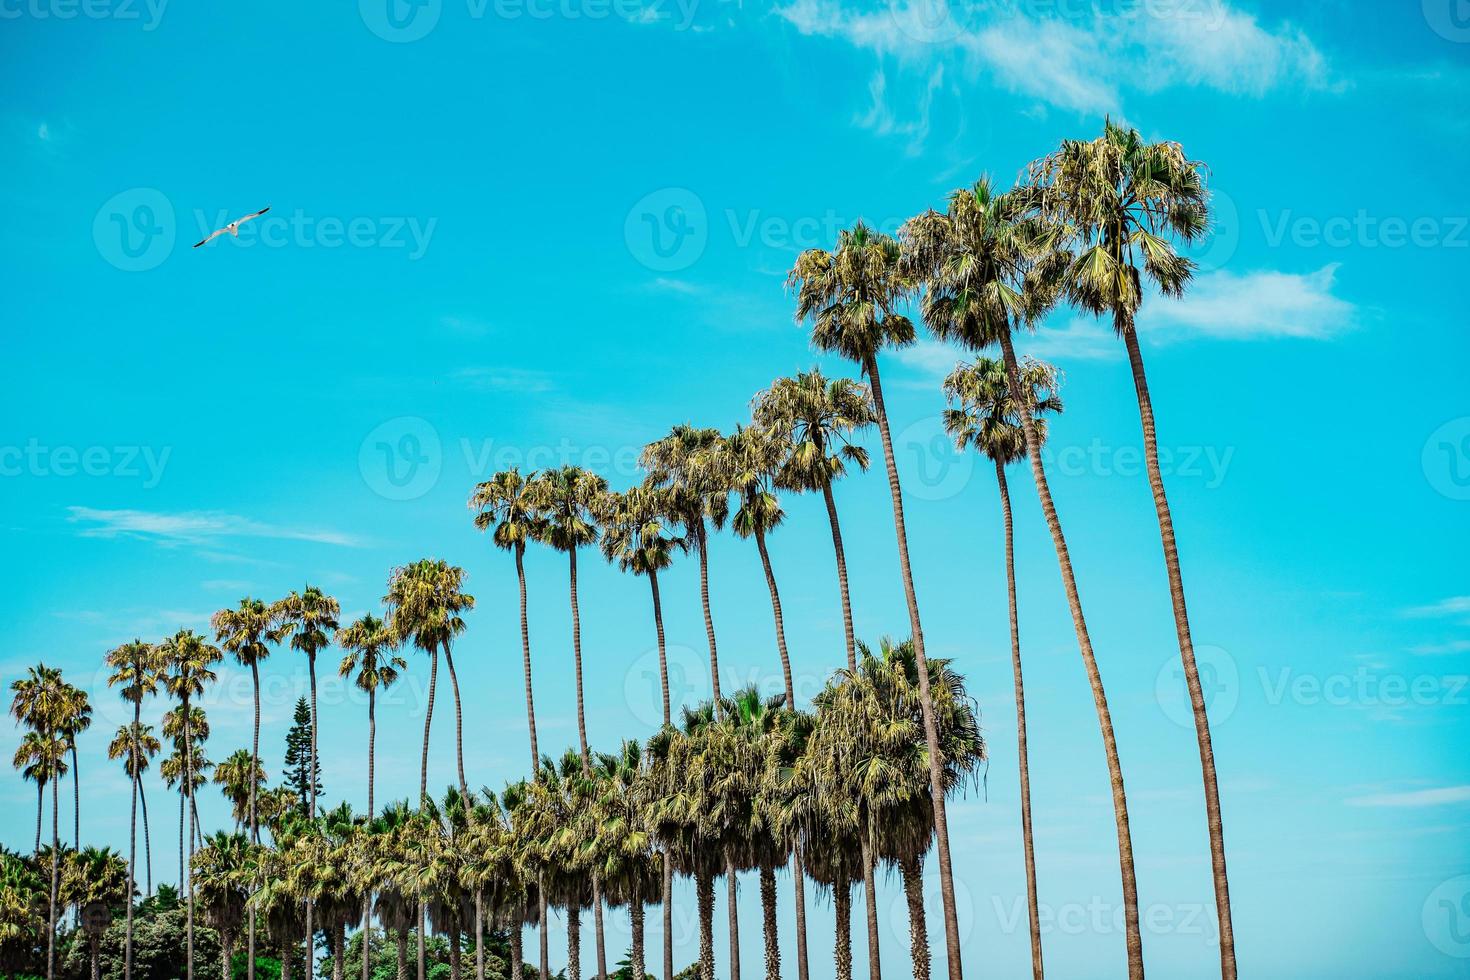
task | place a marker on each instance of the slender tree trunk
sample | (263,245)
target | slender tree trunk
(1186,652)
(911,869)
(286,955)
(1027,841)
(339,951)
(702,543)
(798,889)
(254,812)
(704,892)
(456,964)
(597,928)
(931,734)
(479,934)
(663,662)
(193,815)
(543,938)
(574,942)
(598,935)
(517,951)
(667,897)
(96,956)
(635,954)
(132,839)
(55,879)
(76,802)
(400,942)
(520,551)
(870,910)
(760,545)
(768,921)
(1134,937)
(367,898)
(312,781)
(847,630)
(40,809)
(183,818)
(226,954)
(458,721)
(147,840)
(842,909)
(732,914)
(423,791)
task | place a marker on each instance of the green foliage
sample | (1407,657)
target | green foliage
(298,770)
(266,967)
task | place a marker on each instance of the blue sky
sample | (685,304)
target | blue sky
(542,231)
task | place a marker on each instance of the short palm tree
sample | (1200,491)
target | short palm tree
(308,619)
(188,661)
(223,873)
(987,267)
(1124,199)
(851,295)
(42,701)
(240,777)
(630,868)
(369,646)
(135,668)
(78,719)
(136,745)
(696,501)
(986,418)
(94,875)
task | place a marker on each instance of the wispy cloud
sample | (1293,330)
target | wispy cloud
(513,380)
(664,284)
(1253,305)
(1453,606)
(1439,796)
(192,527)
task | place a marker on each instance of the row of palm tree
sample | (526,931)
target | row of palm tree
(1088,225)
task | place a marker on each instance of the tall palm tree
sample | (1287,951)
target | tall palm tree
(425,600)
(188,667)
(569,499)
(94,874)
(1124,199)
(135,667)
(637,535)
(987,419)
(41,702)
(851,296)
(507,503)
(33,757)
(369,648)
(696,501)
(174,768)
(136,745)
(244,632)
(987,266)
(819,418)
(78,719)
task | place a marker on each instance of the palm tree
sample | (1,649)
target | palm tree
(636,536)
(189,665)
(1124,199)
(369,644)
(553,821)
(986,265)
(569,499)
(851,295)
(78,719)
(136,745)
(424,603)
(696,502)
(99,875)
(507,503)
(41,703)
(987,419)
(174,768)
(135,666)
(223,871)
(244,632)
(240,778)
(629,866)
(819,418)
(334,882)
(383,853)
(308,619)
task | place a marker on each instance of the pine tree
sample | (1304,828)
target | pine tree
(298,757)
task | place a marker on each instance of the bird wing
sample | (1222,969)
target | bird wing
(210,237)
(257,214)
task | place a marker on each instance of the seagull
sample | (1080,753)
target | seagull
(233,227)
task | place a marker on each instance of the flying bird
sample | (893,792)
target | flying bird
(233,227)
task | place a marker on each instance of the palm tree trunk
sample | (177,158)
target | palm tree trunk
(1134,938)
(911,869)
(667,897)
(479,934)
(520,552)
(597,929)
(182,818)
(870,911)
(367,898)
(76,802)
(798,897)
(226,953)
(842,909)
(1027,842)
(635,921)
(193,816)
(760,545)
(700,537)
(768,921)
(310,905)
(423,791)
(458,721)
(254,813)
(598,935)
(400,942)
(658,625)
(542,937)
(456,967)
(847,630)
(1186,652)
(55,880)
(95,949)
(704,892)
(147,840)
(931,734)
(732,914)
(574,942)
(40,809)
(132,842)
(286,954)
(517,951)
(339,951)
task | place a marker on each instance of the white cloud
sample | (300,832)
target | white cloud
(1453,606)
(881,119)
(1250,305)
(191,527)
(1081,339)
(515,380)
(1440,649)
(1414,798)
